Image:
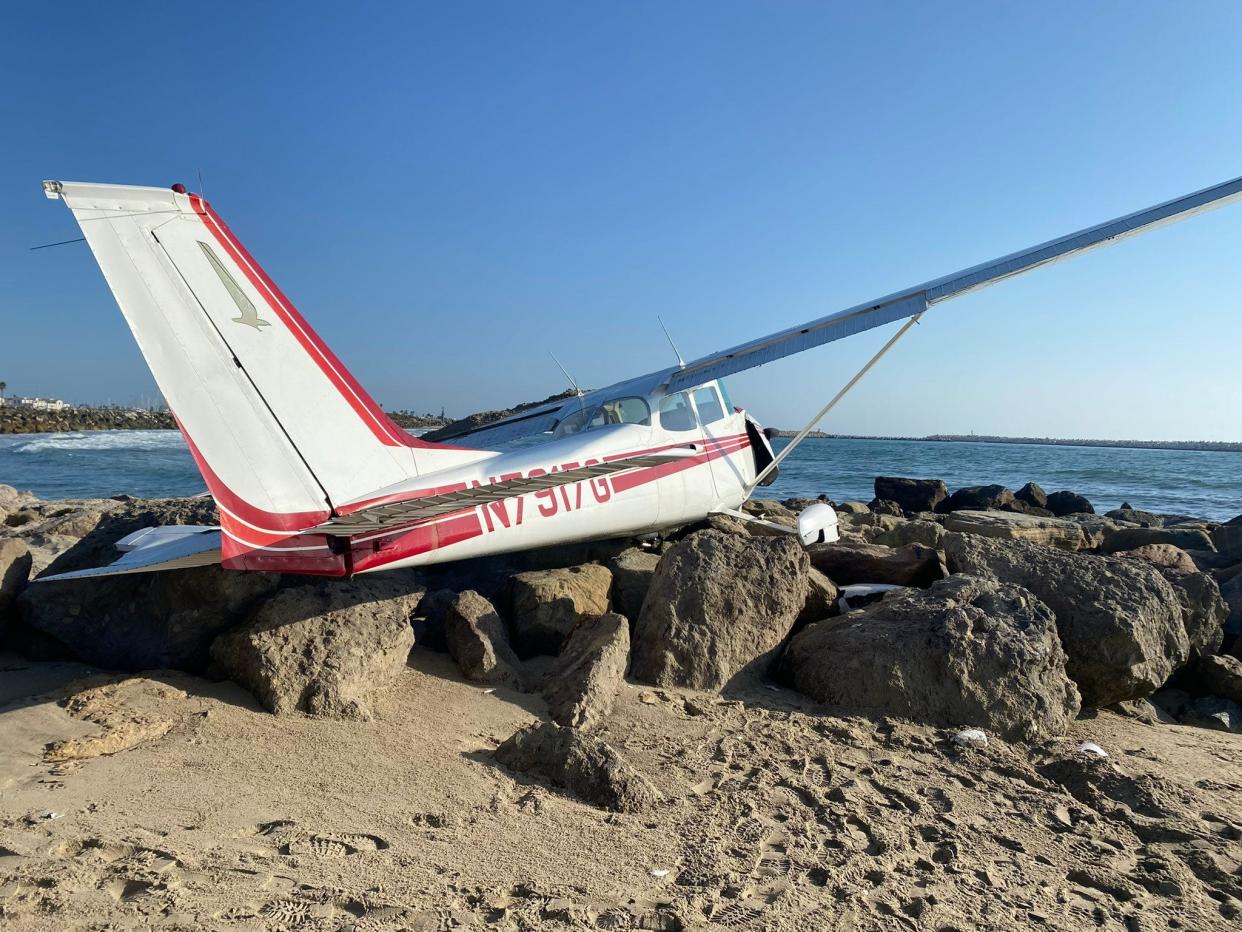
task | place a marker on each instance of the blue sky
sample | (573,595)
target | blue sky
(450,191)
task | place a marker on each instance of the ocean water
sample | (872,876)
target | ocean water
(1209,485)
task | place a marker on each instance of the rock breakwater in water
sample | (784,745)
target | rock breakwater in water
(20,420)
(1036,723)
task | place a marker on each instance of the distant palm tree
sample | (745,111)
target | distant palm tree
(3,386)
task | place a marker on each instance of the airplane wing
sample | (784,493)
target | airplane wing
(393,514)
(870,314)
(157,548)
(523,424)
(916,300)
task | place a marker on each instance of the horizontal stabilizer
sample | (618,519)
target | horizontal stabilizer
(391,514)
(153,549)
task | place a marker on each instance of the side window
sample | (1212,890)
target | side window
(708,403)
(676,413)
(625,411)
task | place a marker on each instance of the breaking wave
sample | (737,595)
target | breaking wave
(100,440)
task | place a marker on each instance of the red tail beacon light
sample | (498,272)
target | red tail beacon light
(179,188)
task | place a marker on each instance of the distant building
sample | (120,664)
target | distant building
(41,404)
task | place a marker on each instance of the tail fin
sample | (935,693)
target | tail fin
(280,429)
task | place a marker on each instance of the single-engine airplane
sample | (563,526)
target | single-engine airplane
(311,476)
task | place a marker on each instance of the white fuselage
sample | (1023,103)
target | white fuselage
(626,503)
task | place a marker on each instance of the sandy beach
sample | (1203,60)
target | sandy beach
(178,803)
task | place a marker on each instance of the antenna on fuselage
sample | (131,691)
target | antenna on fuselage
(577,391)
(565,372)
(681,363)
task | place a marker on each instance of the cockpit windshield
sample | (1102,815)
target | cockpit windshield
(628,410)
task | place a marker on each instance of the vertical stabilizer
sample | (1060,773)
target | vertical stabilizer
(280,429)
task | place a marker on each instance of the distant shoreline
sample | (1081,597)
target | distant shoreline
(1193,446)
(16,419)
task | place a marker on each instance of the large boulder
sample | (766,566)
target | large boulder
(548,604)
(631,577)
(917,531)
(1007,525)
(1121,623)
(1136,516)
(1069,503)
(1203,609)
(1131,538)
(141,621)
(1219,676)
(1162,555)
(14,572)
(978,498)
(967,651)
(913,495)
(1032,495)
(821,598)
(13,500)
(847,563)
(1231,591)
(583,685)
(579,763)
(718,602)
(476,637)
(320,648)
(1228,538)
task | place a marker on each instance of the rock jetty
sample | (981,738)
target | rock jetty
(953,749)
(21,420)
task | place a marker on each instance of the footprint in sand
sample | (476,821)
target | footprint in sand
(335,846)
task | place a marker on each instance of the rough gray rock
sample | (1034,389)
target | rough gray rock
(1031,494)
(847,563)
(1163,555)
(768,509)
(579,763)
(717,603)
(918,531)
(967,651)
(883,506)
(1215,712)
(1219,676)
(1231,592)
(477,639)
(582,686)
(852,508)
(977,498)
(1203,610)
(821,598)
(431,621)
(1131,538)
(1136,516)
(1228,539)
(631,578)
(141,621)
(911,495)
(14,572)
(13,500)
(548,604)
(1121,623)
(320,648)
(1005,525)
(1068,503)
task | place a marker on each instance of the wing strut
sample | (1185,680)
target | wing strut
(802,434)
